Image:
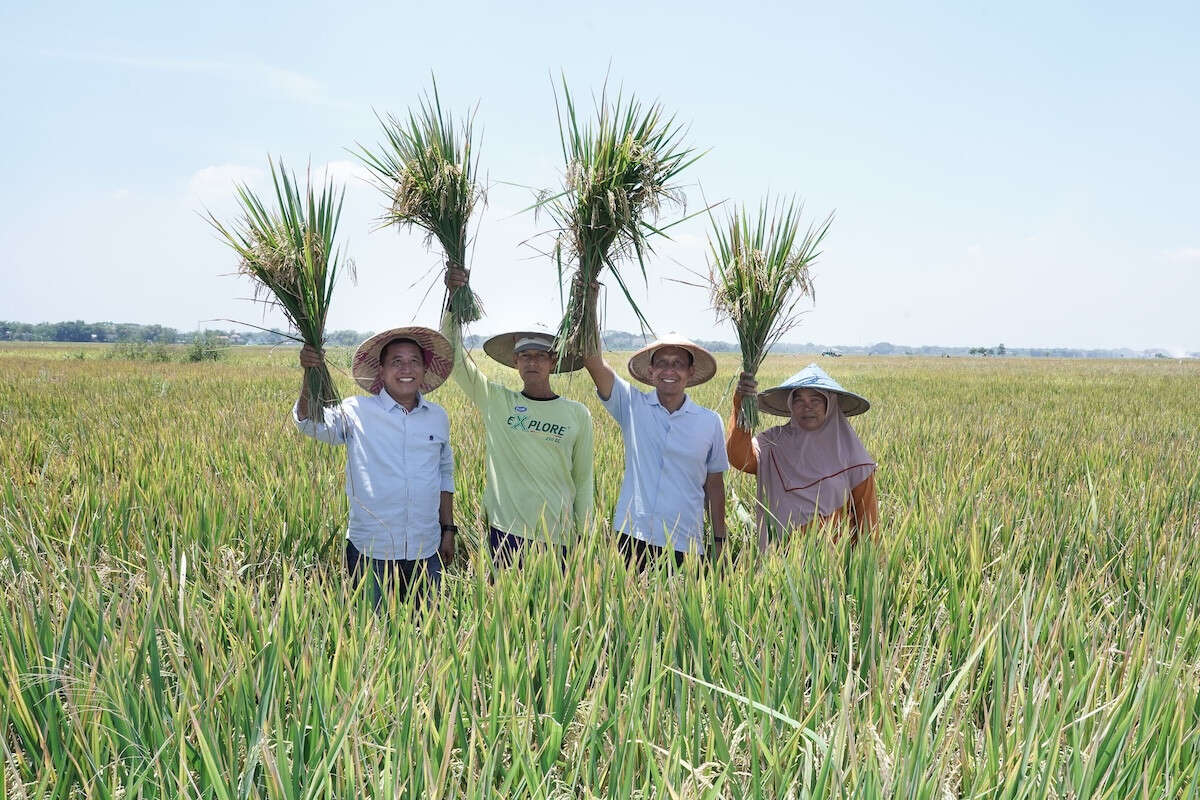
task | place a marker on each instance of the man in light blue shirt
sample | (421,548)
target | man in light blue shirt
(399,465)
(674,451)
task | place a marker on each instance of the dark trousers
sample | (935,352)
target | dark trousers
(508,550)
(398,577)
(638,553)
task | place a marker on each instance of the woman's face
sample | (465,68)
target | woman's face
(808,409)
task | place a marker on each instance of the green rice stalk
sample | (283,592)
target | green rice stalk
(428,169)
(290,254)
(620,172)
(758,273)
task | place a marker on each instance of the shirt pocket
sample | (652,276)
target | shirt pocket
(425,454)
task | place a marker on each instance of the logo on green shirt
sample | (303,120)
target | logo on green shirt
(551,431)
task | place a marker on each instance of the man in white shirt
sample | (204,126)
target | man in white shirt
(675,456)
(399,465)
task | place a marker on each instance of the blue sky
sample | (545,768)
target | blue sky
(1024,174)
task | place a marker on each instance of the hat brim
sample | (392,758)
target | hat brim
(775,401)
(502,348)
(703,361)
(439,357)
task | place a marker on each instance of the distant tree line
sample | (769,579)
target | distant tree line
(130,332)
(80,331)
(126,332)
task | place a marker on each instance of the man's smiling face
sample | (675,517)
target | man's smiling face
(402,368)
(671,369)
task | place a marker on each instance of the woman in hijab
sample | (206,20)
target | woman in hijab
(811,468)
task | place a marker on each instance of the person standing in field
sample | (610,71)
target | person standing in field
(674,450)
(538,444)
(399,465)
(811,469)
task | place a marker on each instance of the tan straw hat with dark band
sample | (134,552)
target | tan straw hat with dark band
(702,360)
(439,357)
(503,348)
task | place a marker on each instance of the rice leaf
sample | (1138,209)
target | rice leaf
(758,273)
(427,168)
(290,253)
(620,173)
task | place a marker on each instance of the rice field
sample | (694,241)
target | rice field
(176,623)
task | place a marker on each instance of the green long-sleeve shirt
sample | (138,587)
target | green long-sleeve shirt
(538,455)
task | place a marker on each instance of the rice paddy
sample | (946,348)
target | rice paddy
(176,623)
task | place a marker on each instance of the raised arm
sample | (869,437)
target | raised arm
(602,374)
(330,428)
(740,444)
(310,357)
(466,374)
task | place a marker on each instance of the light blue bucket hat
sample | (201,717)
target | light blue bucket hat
(775,399)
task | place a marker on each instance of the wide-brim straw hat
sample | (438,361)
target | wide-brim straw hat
(775,400)
(502,348)
(439,357)
(702,360)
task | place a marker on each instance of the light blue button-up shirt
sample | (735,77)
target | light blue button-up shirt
(398,462)
(668,457)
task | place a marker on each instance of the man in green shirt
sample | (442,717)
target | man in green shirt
(538,445)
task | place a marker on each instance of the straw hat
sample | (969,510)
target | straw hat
(775,400)
(702,360)
(439,357)
(503,348)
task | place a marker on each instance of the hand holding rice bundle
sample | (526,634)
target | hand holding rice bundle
(619,173)
(427,168)
(758,272)
(290,254)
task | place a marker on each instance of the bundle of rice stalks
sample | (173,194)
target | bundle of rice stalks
(758,272)
(620,173)
(290,254)
(427,169)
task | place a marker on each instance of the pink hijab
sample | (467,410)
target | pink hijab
(803,474)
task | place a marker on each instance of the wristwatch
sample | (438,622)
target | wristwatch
(450,528)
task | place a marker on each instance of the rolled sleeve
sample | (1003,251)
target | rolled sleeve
(329,429)
(446,467)
(618,402)
(718,459)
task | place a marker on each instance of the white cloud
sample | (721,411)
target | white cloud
(215,185)
(344,171)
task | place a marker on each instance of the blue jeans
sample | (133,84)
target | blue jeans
(400,577)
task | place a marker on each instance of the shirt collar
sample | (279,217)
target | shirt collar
(387,402)
(688,406)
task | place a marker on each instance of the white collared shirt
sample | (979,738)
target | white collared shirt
(398,462)
(668,457)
